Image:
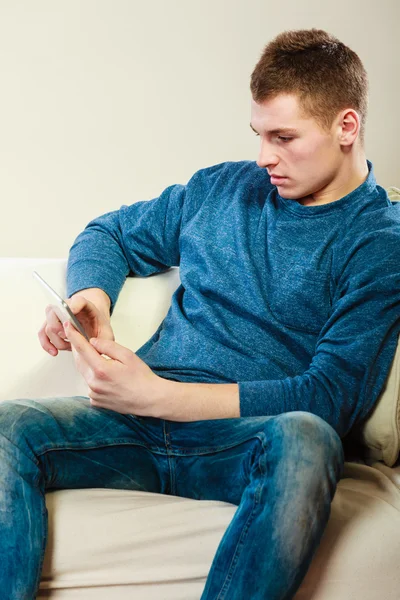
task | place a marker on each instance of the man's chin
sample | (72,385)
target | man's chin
(287,195)
(290,195)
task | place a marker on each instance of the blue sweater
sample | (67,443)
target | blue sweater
(299,305)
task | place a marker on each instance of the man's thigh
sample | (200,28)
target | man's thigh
(217,459)
(77,445)
(212,459)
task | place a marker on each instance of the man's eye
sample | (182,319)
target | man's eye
(280,137)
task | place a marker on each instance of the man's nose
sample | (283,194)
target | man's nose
(267,157)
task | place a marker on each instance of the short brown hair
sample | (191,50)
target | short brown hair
(321,71)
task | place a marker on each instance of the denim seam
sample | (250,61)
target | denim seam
(172,478)
(179,451)
(97,446)
(240,544)
(167,441)
(44,544)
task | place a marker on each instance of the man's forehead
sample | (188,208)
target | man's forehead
(282,129)
(279,115)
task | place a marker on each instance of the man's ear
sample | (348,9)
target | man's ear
(349,126)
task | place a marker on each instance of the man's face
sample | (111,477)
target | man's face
(308,157)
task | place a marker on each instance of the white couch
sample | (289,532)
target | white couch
(114,545)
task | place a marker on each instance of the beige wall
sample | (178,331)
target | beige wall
(107,102)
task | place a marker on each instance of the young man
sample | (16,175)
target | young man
(276,344)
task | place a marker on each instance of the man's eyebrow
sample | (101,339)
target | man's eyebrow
(279,130)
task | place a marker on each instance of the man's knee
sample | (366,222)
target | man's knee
(17,417)
(305,430)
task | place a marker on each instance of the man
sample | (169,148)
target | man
(276,344)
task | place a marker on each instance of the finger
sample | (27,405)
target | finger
(83,347)
(55,329)
(77,303)
(51,342)
(111,350)
(59,340)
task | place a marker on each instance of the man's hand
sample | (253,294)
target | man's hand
(122,382)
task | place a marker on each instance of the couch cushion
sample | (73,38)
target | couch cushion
(122,544)
(106,544)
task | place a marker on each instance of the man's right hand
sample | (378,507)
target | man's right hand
(95,322)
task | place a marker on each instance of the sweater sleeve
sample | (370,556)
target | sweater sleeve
(355,347)
(140,239)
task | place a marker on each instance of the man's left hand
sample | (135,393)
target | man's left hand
(123,382)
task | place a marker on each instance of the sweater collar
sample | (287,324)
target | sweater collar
(363,191)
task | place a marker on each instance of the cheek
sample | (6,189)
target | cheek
(308,160)
(300,165)
(306,153)
(304,165)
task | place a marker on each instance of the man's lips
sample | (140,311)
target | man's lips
(276,179)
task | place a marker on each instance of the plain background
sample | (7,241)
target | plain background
(108,102)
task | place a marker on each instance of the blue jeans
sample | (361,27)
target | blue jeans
(281,472)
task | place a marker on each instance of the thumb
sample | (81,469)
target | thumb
(76,303)
(109,348)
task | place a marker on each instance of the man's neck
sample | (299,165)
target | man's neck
(350,178)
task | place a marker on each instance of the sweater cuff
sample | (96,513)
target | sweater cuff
(261,398)
(78,280)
